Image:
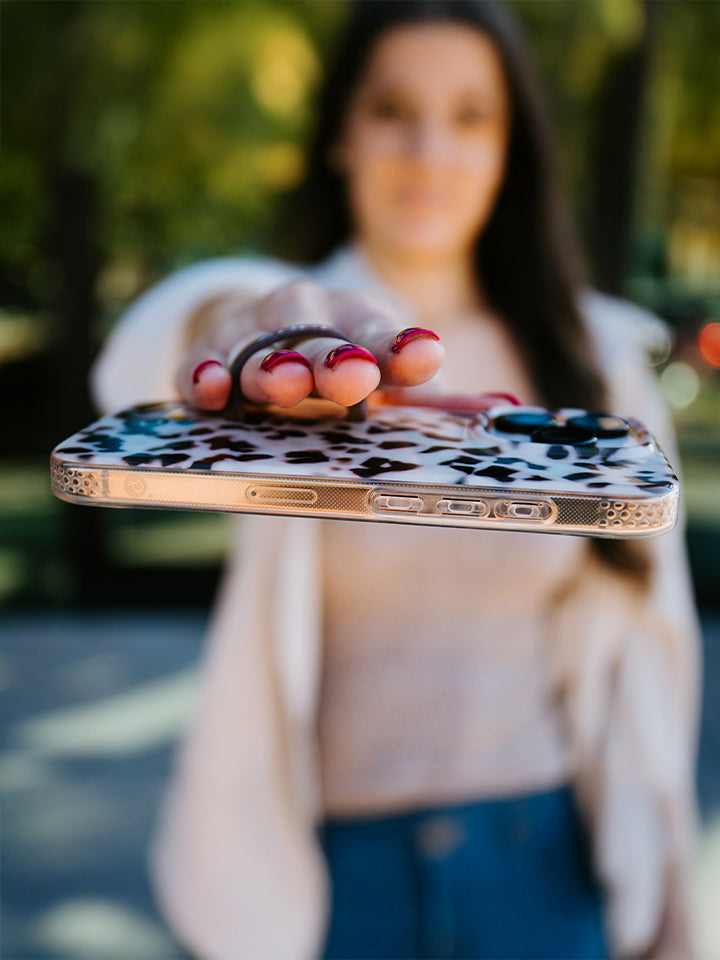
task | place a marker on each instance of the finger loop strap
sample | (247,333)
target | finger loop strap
(290,337)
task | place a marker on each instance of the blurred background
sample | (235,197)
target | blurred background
(139,137)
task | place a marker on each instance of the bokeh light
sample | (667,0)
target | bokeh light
(680,384)
(285,66)
(710,343)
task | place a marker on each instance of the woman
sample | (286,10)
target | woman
(401,721)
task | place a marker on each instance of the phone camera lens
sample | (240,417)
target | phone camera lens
(602,425)
(567,434)
(524,422)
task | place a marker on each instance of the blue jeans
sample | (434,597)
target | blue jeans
(496,879)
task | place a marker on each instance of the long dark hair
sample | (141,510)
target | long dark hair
(526,259)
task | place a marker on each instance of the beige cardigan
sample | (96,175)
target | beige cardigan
(235,864)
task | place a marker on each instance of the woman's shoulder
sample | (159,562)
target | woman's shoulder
(621,330)
(627,340)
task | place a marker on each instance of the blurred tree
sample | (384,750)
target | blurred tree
(137,137)
(613,164)
(634,89)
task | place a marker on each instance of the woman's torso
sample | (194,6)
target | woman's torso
(436,678)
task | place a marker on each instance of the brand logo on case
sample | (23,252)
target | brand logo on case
(135,488)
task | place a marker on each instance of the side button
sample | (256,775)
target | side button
(396,504)
(473,508)
(524,510)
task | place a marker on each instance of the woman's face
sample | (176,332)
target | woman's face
(424,144)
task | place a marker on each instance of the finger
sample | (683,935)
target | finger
(204,381)
(344,372)
(282,377)
(406,355)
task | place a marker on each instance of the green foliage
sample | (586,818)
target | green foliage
(191,115)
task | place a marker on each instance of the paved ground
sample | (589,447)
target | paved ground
(92,706)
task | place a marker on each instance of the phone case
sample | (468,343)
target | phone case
(521,468)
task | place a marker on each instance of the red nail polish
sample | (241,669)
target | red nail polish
(492,398)
(283,356)
(201,366)
(412,333)
(348,351)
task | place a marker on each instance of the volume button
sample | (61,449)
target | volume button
(396,503)
(457,507)
(523,510)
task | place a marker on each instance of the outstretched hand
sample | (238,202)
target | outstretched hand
(382,352)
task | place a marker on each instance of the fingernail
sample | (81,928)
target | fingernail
(510,397)
(201,366)
(412,333)
(283,356)
(348,351)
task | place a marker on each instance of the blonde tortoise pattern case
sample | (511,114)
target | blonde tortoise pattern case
(510,467)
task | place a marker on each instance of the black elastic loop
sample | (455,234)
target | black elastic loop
(290,335)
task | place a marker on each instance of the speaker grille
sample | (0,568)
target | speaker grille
(608,515)
(76,481)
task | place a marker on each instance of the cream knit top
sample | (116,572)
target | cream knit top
(436,678)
